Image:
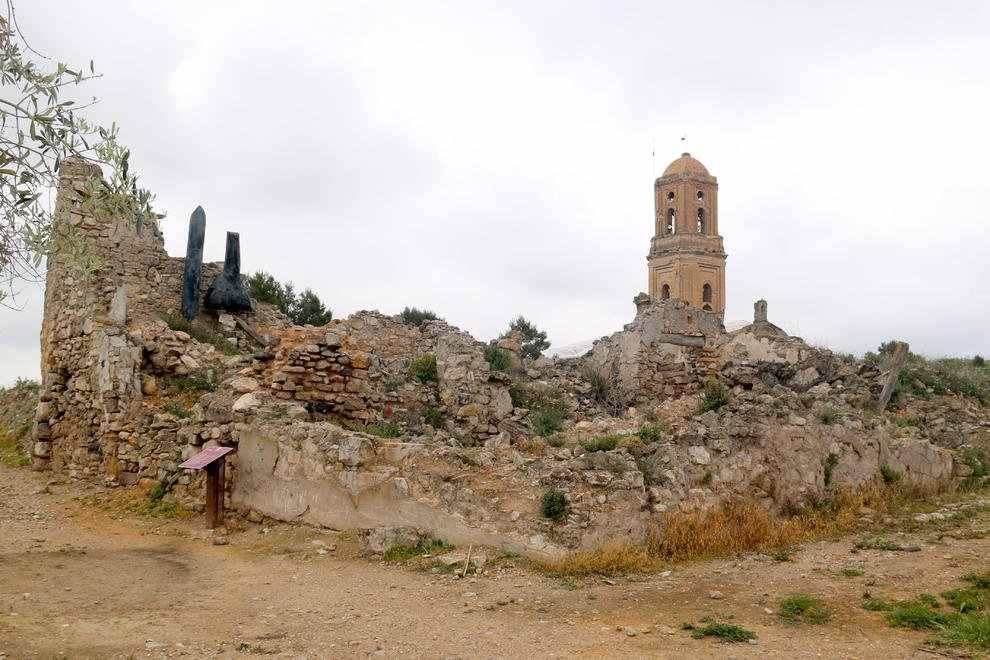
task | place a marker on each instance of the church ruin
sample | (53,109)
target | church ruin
(334,427)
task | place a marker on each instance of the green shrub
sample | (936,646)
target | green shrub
(434,418)
(176,409)
(302,309)
(554,505)
(156,505)
(601,443)
(969,625)
(263,287)
(387,429)
(197,381)
(417,317)
(977,461)
(829,467)
(556,440)
(967,599)
(653,433)
(877,543)
(852,572)
(534,340)
(978,361)
(11,454)
(971,630)
(727,632)
(310,310)
(917,615)
(603,393)
(978,580)
(537,396)
(922,377)
(782,554)
(424,368)
(904,421)
(714,396)
(400,553)
(548,421)
(828,415)
(876,605)
(801,608)
(889,474)
(498,358)
(22,384)
(547,406)
(203,336)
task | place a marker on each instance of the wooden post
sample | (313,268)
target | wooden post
(211,458)
(894,366)
(214,493)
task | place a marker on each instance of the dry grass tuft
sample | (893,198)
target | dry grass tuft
(606,560)
(732,528)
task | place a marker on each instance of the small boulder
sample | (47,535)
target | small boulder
(149,385)
(382,539)
(118,306)
(699,455)
(246,403)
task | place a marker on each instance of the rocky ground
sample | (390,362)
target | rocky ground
(83,576)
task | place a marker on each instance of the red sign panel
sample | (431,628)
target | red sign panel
(205,457)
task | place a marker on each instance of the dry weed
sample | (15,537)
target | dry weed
(606,560)
(735,527)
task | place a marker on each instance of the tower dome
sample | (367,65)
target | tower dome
(686,164)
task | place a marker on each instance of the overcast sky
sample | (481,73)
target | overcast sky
(489,159)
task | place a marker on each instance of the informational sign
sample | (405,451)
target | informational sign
(205,457)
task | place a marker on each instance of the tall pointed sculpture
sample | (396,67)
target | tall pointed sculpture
(227,290)
(194,263)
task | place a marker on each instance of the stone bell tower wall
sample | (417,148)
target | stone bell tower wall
(687,259)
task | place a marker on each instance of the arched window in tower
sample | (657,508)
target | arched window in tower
(671,222)
(706,293)
(701,221)
(665,292)
(670,196)
(701,195)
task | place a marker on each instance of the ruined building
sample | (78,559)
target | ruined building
(374,424)
(687,260)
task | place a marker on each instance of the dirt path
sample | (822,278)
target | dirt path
(79,581)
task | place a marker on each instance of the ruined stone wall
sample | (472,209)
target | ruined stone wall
(358,369)
(347,384)
(666,351)
(90,358)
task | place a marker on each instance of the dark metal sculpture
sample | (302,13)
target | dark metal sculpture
(227,290)
(194,263)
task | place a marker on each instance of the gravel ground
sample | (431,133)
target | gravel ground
(82,577)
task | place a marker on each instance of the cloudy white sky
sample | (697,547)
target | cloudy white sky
(486,159)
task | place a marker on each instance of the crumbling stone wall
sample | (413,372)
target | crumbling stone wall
(668,350)
(91,356)
(331,380)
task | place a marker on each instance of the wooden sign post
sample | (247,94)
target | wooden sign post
(213,459)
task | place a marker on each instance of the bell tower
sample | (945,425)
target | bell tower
(687,260)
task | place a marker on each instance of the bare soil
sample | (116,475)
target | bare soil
(82,576)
